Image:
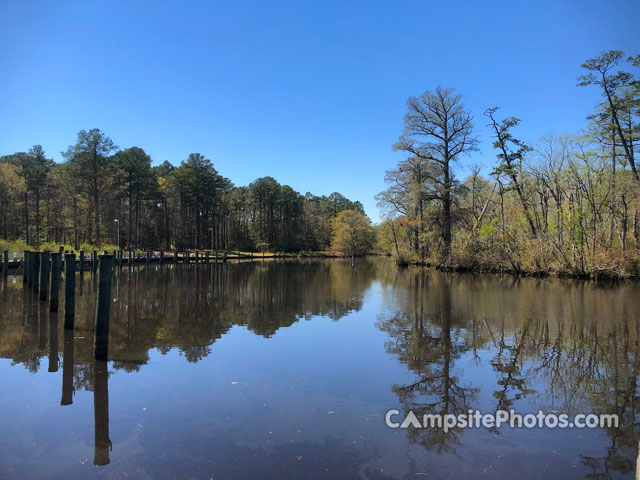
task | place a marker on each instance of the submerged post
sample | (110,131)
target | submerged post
(45,268)
(94,260)
(69,289)
(55,282)
(161,256)
(81,260)
(5,264)
(103,306)
(36,271)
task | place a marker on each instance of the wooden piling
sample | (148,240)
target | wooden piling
(103,306)
(5,263)
(25,267)
(161,256)
(55,282)
(45,268)
(81,260)
(36,271)
(94,260)
(175,257)
(224,256)
(69,289)
(31,268)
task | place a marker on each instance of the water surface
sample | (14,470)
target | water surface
(285,370)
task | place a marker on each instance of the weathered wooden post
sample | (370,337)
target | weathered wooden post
(36,271)
(45,268)
(25,267)
(69,290)
(224,256)
(32,266)
(161,256)
(81,260)
(5,264)
(175,257)
(206,257)
(94,260)
(55,282)
(67,367)
(103,306)
(102,445)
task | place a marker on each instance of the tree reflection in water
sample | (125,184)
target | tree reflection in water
(468,341)
(186,307)
(554,345)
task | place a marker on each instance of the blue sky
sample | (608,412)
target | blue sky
(311,93)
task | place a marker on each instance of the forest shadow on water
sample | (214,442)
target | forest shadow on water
(285,369)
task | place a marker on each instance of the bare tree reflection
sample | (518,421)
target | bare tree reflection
(424,338)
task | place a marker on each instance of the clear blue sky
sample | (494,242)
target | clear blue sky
(311,93)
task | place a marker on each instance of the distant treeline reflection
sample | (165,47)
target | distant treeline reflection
(183,307)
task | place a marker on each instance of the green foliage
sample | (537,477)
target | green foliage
(97,195)
(562,204)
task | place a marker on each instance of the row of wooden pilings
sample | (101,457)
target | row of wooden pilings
(131,258)
(42,273)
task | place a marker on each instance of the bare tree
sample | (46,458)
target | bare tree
(438,129)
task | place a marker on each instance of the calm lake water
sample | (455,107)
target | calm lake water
(284,370)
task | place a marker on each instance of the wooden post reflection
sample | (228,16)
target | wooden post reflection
(53,342)
(67,368)
(101,413)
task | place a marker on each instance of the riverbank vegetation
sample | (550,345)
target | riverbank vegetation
(564,203)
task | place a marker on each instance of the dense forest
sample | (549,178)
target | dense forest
(100,192)
(565,203)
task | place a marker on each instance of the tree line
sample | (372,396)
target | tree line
(101,194)
(565,203)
